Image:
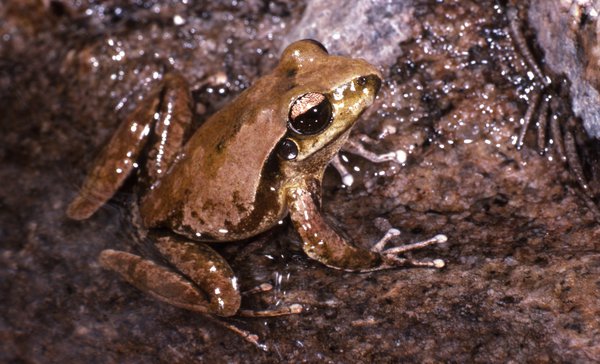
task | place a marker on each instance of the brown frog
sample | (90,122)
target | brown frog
(248,166)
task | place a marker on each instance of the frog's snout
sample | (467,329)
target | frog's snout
(371,81)
(377,82)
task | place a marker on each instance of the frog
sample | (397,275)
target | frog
(251,164)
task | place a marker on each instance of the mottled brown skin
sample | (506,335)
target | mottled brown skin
(228,182)
(222,172)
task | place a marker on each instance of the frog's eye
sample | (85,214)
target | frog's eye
(310,114)
(287,149)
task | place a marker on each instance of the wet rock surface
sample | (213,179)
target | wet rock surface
(567,32)
(523,264)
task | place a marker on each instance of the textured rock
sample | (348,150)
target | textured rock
(369,29)
(568,33)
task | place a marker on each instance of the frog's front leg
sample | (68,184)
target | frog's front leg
(166,114)
(322,243)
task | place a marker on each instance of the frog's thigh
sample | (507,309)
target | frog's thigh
(159,282)
(207,269)
(172,126)
(214,288)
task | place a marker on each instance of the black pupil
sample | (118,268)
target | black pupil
(314,120)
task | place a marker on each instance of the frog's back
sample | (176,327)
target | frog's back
(223,186)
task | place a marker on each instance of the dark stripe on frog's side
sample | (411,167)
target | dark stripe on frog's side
(267,200)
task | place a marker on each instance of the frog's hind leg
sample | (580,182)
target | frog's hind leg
(171,129)
(201,280)
(155,280)
(173,288)
(122,153)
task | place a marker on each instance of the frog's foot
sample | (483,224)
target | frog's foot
(390,256)
(544,103)
(293,309)
(356,147)
(563,141)
(282,311)
(263,287)
(438,239)
(347,178)
(246,335)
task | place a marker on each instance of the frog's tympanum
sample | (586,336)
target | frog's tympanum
(245,169)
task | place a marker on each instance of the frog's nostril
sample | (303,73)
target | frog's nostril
(371,80)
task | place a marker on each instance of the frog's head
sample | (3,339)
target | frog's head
(326,96)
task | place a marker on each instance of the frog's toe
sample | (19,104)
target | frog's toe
(438,239)
(393,261)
